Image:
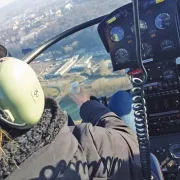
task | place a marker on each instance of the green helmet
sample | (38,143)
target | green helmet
(21,95)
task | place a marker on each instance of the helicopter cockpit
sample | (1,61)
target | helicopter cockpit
(151,34)
(159,29)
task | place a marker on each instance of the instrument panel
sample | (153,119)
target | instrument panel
(159,27)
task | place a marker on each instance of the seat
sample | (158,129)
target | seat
(156,168)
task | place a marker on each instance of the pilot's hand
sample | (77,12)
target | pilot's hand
(81,97)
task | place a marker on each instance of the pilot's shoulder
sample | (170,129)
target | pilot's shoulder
(86,132)
(83,131)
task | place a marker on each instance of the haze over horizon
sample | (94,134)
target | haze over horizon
(10,8)
(5,2)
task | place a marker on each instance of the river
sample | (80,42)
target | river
(70,107)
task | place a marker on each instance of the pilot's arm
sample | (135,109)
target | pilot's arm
(92,111)
(106,140)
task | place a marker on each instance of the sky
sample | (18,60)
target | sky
(5,2)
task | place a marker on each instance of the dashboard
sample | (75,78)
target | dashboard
(159,27)
(160,40)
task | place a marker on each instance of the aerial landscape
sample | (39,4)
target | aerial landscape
(80,57)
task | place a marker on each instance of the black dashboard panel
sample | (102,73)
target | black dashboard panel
(160,28)
(159,33)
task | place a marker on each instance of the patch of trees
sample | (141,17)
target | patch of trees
(103,69)
(107,87)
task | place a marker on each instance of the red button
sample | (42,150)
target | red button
(135,72)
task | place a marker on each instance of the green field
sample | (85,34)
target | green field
(51,91)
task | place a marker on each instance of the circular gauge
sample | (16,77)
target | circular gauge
(122,55)
(143,27)
(147,50)
(175,150)
(163,21)
(169,74)
(167,44)
(116,34)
